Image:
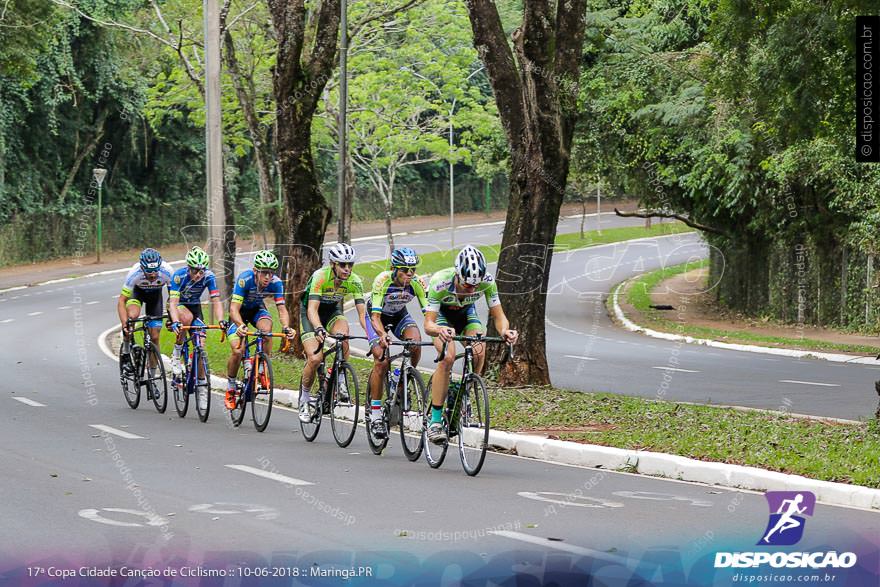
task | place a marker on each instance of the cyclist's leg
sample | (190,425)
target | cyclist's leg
(405,328)
(153,307)
(236,348)
(440,381)
(186,319)
(377,374)
(474,327)
(310,345)
(338,324)
(263,322)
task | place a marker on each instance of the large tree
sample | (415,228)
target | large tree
(535,84)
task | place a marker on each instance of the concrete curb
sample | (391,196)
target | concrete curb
(637,461)
(749,348)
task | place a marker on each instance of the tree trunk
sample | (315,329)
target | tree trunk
(388,226)
(298,80)
(536,94)
(77,163)
(348,201)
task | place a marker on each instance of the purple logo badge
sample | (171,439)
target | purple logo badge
(787,508)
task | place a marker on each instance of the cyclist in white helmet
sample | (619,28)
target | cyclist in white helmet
(321,312)
(451,311)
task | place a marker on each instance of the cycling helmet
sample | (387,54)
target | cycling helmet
(341,253)
(470,265)
(266,260)
(404,257)
(151,260)
(197,258)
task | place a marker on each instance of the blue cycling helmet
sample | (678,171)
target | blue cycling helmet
(404,257)
(151,260)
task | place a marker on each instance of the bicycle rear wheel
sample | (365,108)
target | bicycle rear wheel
(412,407)
(263,394)
(377,445)
(473,424)
(311,428)
(128,370)
(344,407)
(158,384)
(434,453)
(203,392)
(236,414)
(179,387)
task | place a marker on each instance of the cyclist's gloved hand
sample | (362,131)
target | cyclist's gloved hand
(223,324)
(126,331)
(320,334)
(242,330)
(290,332)
(446,334)
(175,327)
(510,336)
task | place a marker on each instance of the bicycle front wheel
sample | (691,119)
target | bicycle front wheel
(179,387)
(434,453)
(473,424)
(128,370)
(263,394)
(412,408)
(203,392)
(311,428)
(157,383)
(344,405)
(236,414)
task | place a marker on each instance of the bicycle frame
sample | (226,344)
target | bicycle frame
(256,354)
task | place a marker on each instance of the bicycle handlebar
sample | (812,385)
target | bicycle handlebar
(285,344)
(478,338)
(207,327)
(339,338)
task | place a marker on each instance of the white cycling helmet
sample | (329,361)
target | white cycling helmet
(470,265)
(341,253)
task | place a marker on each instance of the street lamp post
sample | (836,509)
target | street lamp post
(99,174)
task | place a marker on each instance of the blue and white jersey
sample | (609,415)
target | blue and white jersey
(189,291)
(137,279)
(250,297)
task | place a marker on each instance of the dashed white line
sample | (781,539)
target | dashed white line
(7,321)
(116,431)
(809,383)
(582,358)
(93,302)
(63,308)
(675,369)
(34,313)
(29,402)
(269,475)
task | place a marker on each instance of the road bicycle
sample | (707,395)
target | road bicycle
(255,382)
(195,377)
(134,372)
(341,405)
(404,403)
(466,414)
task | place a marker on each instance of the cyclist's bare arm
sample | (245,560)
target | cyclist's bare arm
(362,316)
(502,324)
(312,313)
(172,309)
(283,315)
(235,314)
(121,309)
(217,308)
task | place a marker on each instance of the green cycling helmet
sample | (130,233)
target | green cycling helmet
(197,258)
(266,260)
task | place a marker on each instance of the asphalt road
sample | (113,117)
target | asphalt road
(86,480)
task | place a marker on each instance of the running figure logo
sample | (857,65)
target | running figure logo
(787,508)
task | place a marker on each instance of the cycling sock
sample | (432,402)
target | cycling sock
(176,352)
(230,383)
(304,396)
(376,404)
(436,414)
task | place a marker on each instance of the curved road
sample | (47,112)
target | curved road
(89,481)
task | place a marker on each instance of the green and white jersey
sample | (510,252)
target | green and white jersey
(322,287)
(389,298)
(441,292)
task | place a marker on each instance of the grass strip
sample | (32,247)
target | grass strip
(639,296)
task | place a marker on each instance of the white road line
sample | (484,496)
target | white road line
(29,402)
(94,302)
(809,383)
(63,308)
(582,358)
(116,431)
(674,369)
(596,554)
(7,321)
(269,475)
(34,313)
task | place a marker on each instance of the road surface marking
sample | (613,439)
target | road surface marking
(582,358)
(596,554)
(269,475)
(809,383)
(34,313)
(675,369)
(7,321)
(94,302)
(570,499)
(95,516)
(663,497)
(63,308)
(29,402)
(228,507)
(116,431)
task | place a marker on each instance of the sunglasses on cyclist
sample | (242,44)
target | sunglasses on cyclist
(346,265)
(406,269)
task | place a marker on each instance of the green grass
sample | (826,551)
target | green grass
(639,296)
(847,453)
